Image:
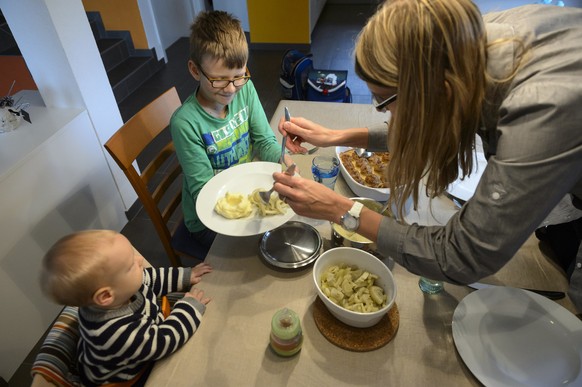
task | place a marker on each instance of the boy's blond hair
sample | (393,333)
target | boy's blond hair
(219,35)
(76,266)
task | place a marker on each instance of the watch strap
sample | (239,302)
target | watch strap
(356,209)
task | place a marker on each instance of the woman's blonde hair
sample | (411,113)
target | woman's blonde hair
(434,53)
(219,35)
(75,267)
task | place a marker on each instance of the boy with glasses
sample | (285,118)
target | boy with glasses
(223,122)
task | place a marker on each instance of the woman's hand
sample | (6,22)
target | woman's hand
(302,130)
(309,198)
(198,271)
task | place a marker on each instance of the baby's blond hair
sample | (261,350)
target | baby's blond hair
(76,266)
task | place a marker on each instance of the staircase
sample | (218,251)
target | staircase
(8,45)
(127,68)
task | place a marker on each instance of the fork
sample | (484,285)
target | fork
(266,195)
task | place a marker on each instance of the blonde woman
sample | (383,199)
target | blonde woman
(446,74)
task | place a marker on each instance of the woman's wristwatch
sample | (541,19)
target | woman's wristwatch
(351,219)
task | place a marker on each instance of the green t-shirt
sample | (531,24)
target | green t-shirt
(206,145)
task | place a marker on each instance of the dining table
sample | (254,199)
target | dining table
(231,346)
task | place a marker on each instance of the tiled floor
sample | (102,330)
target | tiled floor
(332,42)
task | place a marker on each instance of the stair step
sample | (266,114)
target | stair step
(11,51)
(131,74)
(8,45)
(113,52)
(96,24)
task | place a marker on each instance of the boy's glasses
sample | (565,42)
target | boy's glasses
(381,105)
(219,83)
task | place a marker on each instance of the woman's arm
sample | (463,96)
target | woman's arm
(310,198)
(302,130)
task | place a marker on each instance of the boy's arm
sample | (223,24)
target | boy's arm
(168,336)
(154,341)
(262,135)
(191,153)
(165,280)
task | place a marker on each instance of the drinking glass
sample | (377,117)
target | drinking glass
(325,170)
(430,286)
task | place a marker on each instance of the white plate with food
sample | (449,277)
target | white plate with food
(362,190)
(242,180)
(513,337)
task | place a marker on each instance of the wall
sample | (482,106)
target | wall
(173,22)
(237,7)
(63,185)
(497,5)
(121,15)
(279,22)
(13,68)
(64,181)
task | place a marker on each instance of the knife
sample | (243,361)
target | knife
(287,118)
(310,148)
(551,294)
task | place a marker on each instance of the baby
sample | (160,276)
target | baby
(123,330)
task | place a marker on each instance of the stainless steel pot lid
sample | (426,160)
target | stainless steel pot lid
(290,246)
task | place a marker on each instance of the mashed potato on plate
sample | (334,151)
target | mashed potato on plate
(234,206)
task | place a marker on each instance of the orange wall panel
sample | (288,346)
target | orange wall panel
(121,15)
(13,68)
(279,21)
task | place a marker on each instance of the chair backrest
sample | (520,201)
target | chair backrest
(56,360)
(160,196)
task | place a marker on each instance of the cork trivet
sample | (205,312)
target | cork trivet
(355,339)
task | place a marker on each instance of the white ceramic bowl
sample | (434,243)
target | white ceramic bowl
(380,194)
(363,260)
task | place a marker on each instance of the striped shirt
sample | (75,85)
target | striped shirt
(117,344)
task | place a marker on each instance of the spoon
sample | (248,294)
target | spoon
(266,195)
(361,152)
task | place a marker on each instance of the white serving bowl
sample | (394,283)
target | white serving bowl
(378,194)
(363,260)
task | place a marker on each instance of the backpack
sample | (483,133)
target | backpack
(328,86)
(295,67)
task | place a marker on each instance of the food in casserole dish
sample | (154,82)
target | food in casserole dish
(370,171)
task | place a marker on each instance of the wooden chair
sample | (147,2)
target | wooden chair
(162,198)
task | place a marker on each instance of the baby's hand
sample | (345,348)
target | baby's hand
(197,294)
(198,271)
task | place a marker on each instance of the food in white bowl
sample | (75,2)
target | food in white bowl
(353,288)
(379,193)
(367,262)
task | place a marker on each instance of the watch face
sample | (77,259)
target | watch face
(349,222)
